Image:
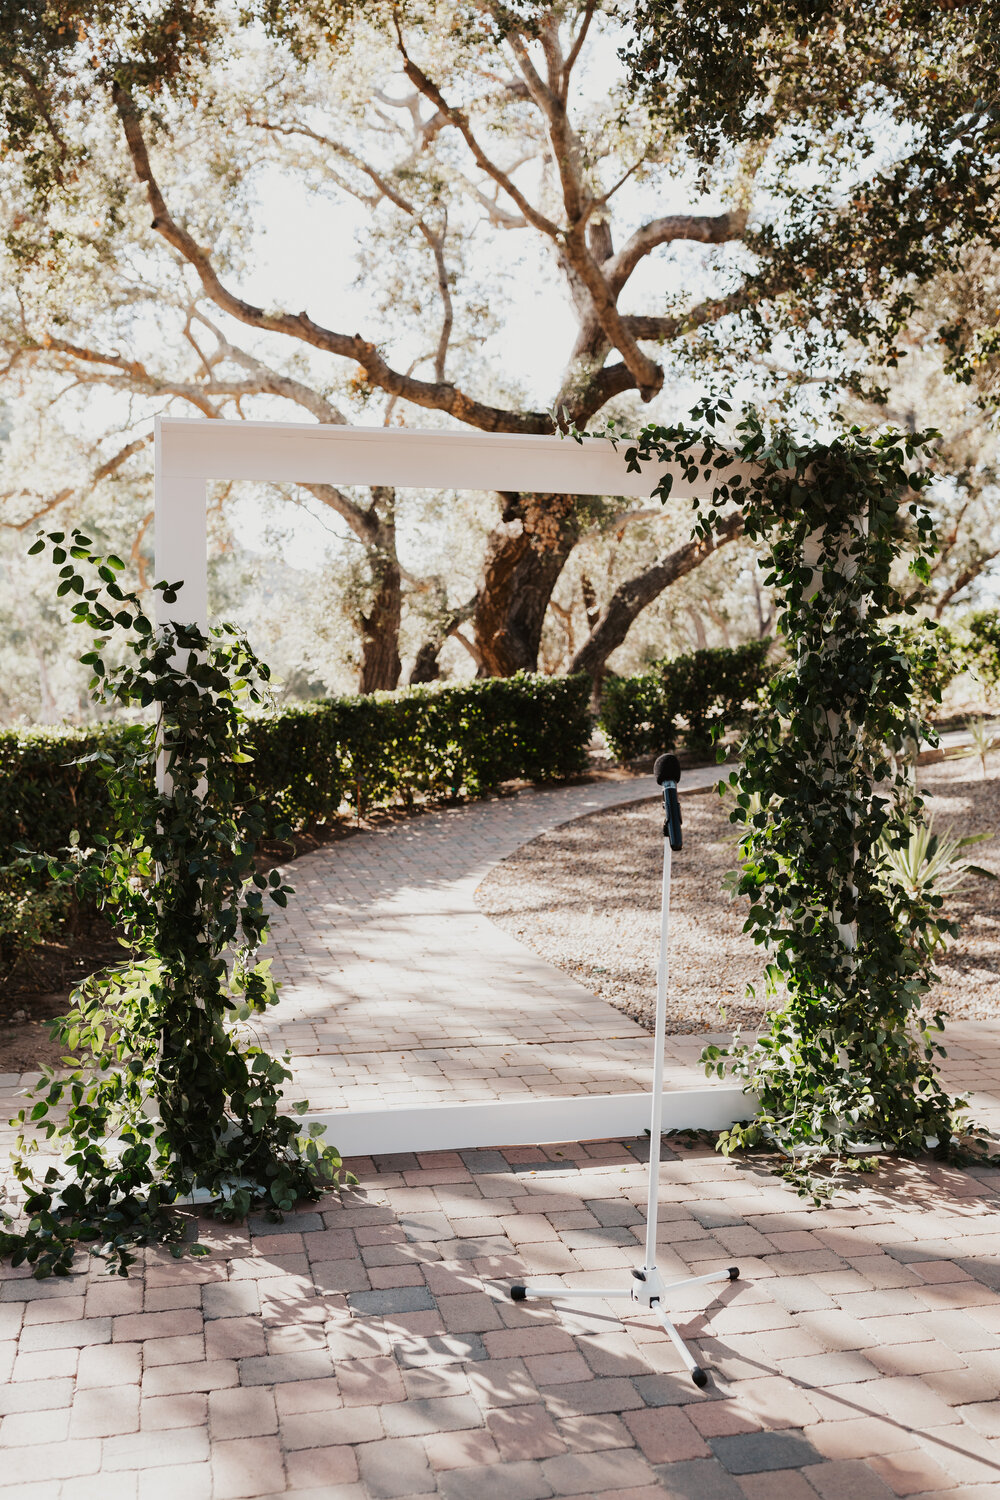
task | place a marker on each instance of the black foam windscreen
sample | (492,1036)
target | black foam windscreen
(666,768)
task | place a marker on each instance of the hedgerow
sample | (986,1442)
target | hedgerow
(708,689)
(313,761)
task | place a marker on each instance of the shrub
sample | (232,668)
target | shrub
(29,913)
(311,760)
(982,650)
(709,689)
(935,656)
(49,785)
(393,748)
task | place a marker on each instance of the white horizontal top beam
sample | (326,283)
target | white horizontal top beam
(311,453)
(192,451)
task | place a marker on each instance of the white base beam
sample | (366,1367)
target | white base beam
(527,1122)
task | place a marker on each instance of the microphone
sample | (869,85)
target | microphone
(667,768)
(667,771)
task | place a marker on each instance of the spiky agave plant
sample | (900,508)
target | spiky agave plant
(929,867)
(985,736)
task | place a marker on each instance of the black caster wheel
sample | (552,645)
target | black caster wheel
(700,1377)
(734,1273)
(519,1294)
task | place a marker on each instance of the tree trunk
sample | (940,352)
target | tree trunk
(524,557)
(426,664)
(630,598)
(426,667)
(380,664)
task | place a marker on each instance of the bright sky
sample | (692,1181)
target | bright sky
(311,244)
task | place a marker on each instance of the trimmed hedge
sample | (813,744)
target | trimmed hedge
(44,796)
(310,761)
(708,689)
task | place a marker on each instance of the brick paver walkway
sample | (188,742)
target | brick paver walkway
(397,990)
(365,1349)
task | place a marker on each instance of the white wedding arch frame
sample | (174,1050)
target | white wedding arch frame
(190,453)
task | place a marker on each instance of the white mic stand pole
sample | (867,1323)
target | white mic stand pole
(648,1287)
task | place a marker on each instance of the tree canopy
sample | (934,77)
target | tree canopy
(759,196)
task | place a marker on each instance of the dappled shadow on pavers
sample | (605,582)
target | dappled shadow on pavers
(398,990)
(366,1347)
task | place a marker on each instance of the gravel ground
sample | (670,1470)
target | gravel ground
(587,898)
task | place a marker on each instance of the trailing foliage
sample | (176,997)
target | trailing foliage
(849,1056)
(711,690)
(313,761)
(166,1092)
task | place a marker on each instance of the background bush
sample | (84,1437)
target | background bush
(937,656)
(939,653)
(30,912)
(982,645)
(711,688)
(311,762)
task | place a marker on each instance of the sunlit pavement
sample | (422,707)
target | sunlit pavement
(366,1348)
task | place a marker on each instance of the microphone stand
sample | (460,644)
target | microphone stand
(648,1288)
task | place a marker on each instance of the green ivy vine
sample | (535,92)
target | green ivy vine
(165,1091)
(847,1064)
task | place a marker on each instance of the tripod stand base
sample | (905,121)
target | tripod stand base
(648,1290)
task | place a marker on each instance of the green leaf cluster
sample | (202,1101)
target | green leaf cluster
(824,792)
(165,1091)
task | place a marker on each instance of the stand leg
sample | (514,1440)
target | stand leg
(521,1293)
(698,1375)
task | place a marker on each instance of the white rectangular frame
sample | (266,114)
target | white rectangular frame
(192,452)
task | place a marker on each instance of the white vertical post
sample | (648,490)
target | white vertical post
(180,520)
(180,543)
(659,1043)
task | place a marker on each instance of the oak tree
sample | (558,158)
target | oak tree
(749,192)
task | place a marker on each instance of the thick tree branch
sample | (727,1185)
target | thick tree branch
(660,329)
(364,523)
(968,575)
(564,139)
(579,205)
(647,376)
(437,395)
(460,120)
(103,471)
(631,598)
(704,229)
(578,405)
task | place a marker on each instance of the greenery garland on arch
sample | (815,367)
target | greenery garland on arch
(824,788)
(166,1091)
